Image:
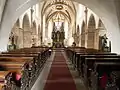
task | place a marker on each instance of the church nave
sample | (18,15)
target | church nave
(59,45)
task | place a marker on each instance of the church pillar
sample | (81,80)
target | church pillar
(66,29)
(86,30)
(43,30)
(41,33)
(46,30)
(80,40)
(39,36)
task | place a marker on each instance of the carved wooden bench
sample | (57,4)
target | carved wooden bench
(88,66)
(103,73)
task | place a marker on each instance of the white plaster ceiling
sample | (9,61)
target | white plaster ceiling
(67,9)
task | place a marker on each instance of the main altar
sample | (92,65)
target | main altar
(58,36)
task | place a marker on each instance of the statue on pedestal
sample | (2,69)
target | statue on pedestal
(104,43)
(11,45)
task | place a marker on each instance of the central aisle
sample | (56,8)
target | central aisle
(59,77)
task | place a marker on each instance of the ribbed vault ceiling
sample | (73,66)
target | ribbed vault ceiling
(53,8)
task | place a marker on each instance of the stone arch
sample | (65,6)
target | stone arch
(83,34)
(101,28)
(14,33)
(26,32)
(91,32)
(18,23)
(16,26)
(26,22)
(91,22)
(34,33)
(83,28)
(100,23)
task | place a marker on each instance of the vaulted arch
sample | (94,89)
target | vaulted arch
(77,36)
(14,35)
(39,35)
(100,24)
(26,32)
(101,28)
(18,23)
(91,23)
(26,22)
(91,32)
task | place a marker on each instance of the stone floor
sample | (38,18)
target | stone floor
(40,82)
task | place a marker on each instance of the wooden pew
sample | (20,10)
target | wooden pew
(85,60)
(40,58)
(88,66)
(3,76)
(102,72)
(37,60)
(44,54)
(16,67)
(71,52)
(80,59)
(75,52)
(77,57)
(23,56)
(38,55)
(30,62)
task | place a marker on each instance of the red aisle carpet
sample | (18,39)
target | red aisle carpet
(59,77)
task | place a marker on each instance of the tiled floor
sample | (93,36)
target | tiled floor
(40,82)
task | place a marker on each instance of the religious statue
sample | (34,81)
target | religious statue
(11,45)
(104,43)
(11,38)
(33,41)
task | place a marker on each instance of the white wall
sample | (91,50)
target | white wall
(2,4)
